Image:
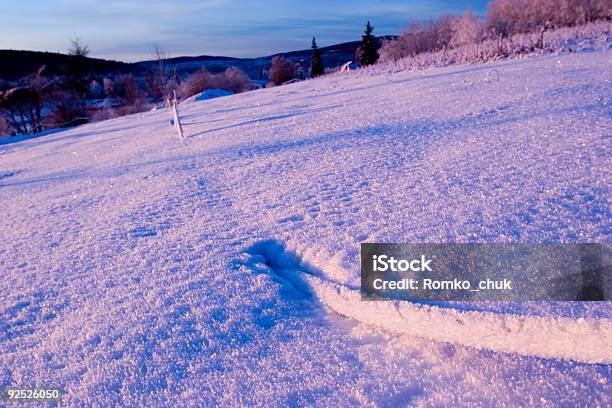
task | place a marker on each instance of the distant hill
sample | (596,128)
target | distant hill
(332,55)
(18,63)
(21,63)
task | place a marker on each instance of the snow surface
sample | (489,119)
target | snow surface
(142,270)
(209,94)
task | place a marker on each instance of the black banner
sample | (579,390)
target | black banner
(485,272)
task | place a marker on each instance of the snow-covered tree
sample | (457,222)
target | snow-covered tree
(508,17)
(466,30)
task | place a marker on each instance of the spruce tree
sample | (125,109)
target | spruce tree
(316,64)
(369,47)
(77,69)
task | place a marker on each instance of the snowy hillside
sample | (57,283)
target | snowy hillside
(142,270)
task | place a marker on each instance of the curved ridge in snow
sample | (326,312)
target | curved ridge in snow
(583,340)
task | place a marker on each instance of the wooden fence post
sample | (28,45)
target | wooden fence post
(177,119)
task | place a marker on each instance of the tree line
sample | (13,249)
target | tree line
(39,102)
(503,19)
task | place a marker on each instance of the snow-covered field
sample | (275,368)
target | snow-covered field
(141,270)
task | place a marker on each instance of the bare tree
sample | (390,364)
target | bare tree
(420,37)
(504,17)
(159,83)
(282,70)
(443,28)
(128,89)
(232,79)
(195,83)
(78,48)
(77,70)
(508,17)
(466,29)
(22,108)
(5,129)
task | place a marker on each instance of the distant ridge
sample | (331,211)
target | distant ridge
(19,63)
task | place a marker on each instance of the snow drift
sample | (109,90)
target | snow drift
(134,271)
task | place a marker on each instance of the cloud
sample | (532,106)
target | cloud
(126,29)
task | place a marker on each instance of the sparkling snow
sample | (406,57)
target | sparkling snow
(139,269)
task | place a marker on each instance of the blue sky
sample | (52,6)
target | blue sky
(127,29)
